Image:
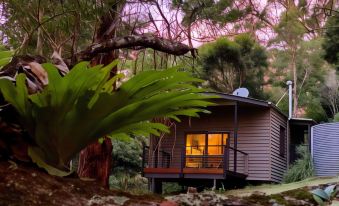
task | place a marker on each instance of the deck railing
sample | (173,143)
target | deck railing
(226,158)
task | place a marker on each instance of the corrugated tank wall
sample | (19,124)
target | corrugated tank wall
(325,149)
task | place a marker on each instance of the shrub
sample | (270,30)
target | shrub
(135,184)
(302,168)
(336,117)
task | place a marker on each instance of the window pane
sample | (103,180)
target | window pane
(195,144)
(197,148)
(215,144)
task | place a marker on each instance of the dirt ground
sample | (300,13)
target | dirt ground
(26,185)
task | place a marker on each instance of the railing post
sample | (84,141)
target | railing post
(236,125)
(246,165)
(226,160)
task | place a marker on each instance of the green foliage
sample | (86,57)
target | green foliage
(127,156)
(336,118)
(228,64)
(311,72)
(5,57)
(195,10)
(171,188)
(331,43)
(315,111)
(302,168)
(76,110)
(134,184)
(289,30)
(68,24)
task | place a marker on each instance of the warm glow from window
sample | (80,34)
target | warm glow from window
(195,144)
(204,144)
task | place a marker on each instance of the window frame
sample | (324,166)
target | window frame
(282,141)
(206,133)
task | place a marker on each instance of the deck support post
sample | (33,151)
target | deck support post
(183,161)
(156,186)
(235,135)
(214,184)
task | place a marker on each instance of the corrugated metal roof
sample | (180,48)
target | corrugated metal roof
(247,100)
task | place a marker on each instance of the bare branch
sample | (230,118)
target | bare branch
(132,41)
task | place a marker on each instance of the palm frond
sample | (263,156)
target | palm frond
(81,107)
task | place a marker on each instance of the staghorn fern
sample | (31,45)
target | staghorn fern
(79,108)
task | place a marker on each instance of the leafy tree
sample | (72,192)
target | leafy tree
(205,10)
(127,156)
(41,27)
(198,11)
(311,75)
(64,29)
(85,108)
(331,43)
(290,32)
(228,64)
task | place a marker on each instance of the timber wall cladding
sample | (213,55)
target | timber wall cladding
(278,162)
(253,136)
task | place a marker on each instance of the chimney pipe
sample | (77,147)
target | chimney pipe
(290,101)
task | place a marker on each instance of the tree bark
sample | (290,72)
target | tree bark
(295,79)
(136,42)
(95,160)
(39,43)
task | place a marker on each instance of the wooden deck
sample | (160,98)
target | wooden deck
(199,173)
(185,170)
(228,165)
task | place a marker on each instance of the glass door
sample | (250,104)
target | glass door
(205,149)
(215,149)
(195,149)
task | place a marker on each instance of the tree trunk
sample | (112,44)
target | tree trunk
(295,79)
(95,160)
(39,43)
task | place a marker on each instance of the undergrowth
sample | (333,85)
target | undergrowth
(302,168)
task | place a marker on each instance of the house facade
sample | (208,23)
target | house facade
(242,139)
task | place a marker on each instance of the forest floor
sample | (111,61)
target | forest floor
(24,184)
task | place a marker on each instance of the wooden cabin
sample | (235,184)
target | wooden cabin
(242,139)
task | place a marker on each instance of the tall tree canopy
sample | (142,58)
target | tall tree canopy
(228,64)
(331,43)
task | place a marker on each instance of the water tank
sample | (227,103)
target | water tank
(325,149)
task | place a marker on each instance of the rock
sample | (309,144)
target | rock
(206,198)
(272,201)
(259,193)
(168,203)
(191,190)
(107,200)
